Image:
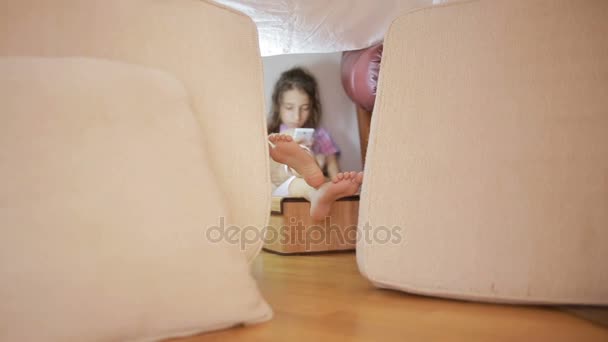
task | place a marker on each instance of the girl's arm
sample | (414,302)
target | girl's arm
(332,166)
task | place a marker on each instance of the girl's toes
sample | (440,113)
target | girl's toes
(360,177)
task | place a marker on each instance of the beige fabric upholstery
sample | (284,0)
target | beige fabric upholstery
(489,149)
(107,197)
(212,50)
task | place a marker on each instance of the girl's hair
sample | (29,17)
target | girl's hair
(295,78)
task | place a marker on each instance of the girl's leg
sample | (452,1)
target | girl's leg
(343,185)
(312,187)
(299,188)
(321,199)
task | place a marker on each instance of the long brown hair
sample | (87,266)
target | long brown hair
(295,78)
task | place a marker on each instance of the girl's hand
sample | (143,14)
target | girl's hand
(289,131)
(299,140)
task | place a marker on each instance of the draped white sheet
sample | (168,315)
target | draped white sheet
(316,26)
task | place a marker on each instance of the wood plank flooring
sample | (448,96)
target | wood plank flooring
(324,298)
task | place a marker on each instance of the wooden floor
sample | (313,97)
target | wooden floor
(324,298)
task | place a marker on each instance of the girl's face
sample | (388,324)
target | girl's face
(295,108)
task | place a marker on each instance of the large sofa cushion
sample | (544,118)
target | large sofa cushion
(212,50)
(105,206)
(489,149)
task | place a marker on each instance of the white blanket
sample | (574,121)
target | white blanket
(316,26)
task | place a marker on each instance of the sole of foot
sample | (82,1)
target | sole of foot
(287,151)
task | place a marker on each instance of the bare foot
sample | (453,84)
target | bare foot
(343,185)
(288,152)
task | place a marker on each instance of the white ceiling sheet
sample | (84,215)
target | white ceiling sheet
(315,26)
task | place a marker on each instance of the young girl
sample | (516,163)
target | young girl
(295,104)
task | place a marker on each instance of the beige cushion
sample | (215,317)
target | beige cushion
(489,149)
(212,50)
(106,199)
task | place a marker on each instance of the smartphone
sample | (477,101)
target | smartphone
(304,136)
